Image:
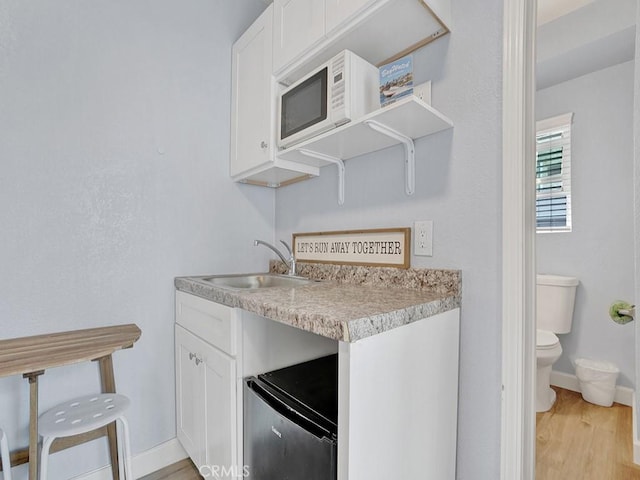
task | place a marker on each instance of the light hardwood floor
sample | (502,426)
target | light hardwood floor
(183,470)
(575,440)
(579,440)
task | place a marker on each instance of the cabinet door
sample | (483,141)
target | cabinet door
(221,409)
(190,395)
(252,101)
(340,11)
(206,401)
(298,25)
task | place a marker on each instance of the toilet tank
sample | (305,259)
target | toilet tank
(555,298)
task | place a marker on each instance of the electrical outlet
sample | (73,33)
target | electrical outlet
(423,238)
(423,92)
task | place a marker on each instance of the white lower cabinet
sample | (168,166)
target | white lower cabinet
(398,402)
(190,408)
(220,409)
(397,390)
(206,400)
(215,348)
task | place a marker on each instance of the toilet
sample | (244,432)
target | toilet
(555,298)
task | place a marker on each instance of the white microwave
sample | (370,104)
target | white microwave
(343,89)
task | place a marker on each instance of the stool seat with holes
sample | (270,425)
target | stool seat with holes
(82,415)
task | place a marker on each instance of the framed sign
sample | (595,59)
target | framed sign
(385,247)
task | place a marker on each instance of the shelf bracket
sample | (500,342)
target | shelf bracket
(409,149)
(337,161)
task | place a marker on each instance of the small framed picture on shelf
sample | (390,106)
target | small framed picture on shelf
(396,80)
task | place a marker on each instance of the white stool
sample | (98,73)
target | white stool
(4,456)
(82,415)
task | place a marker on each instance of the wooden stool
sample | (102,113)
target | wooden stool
(4,456)
(82,415)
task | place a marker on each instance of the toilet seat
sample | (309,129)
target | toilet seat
(546,340)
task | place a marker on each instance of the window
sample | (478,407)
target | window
(553,174)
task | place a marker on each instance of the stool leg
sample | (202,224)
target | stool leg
(33,423)
(124,449)
(108,382)
(4,455)
(121,456)
(44,456)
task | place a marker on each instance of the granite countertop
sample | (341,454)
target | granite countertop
(348,303)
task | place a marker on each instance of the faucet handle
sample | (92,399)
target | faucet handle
(287,247)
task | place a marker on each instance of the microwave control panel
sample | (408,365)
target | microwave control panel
(337,88)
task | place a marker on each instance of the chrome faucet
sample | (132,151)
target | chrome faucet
(291,263)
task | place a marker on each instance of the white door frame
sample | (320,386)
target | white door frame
(518,242)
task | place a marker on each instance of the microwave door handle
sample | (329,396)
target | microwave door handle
(330,159)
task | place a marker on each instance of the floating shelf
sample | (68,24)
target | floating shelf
(410,116)
(398,123)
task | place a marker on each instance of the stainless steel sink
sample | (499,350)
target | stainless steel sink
(255,281)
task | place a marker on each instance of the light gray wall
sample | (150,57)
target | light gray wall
(458,187)
(600,249)
(114,140)
(598,35)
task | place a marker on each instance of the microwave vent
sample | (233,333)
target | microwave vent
(337,82)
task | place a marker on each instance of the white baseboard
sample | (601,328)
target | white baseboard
(623,396)
(144,463)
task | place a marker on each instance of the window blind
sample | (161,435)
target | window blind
(553,174)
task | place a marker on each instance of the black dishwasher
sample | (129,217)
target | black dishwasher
(290,422)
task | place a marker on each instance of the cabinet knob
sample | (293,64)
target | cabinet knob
(263,144)
(193,356)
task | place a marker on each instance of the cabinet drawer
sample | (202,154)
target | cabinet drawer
(214,323)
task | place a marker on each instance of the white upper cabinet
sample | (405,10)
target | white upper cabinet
(252,112)
(339,11)
(290,39)
(376,30)
(297,26)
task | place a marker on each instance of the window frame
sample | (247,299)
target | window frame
(558,124)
